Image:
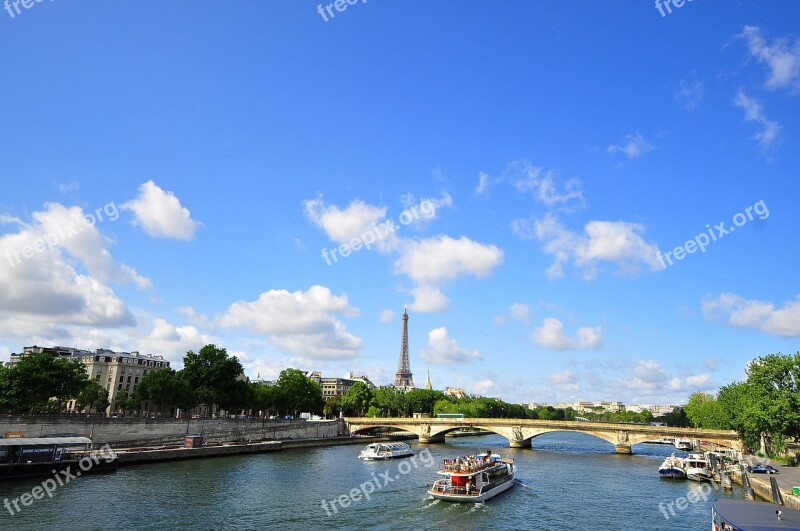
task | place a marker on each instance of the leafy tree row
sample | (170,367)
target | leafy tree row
(41,383)
(764,409)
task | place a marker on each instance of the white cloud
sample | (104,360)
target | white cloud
(690,92)
(782,57)
(520,312)
(161,214)
(342,225)
(429,299)
(299,322)
(172,342)
(57,269)
(565,382)
(551,335)
(615,242)
(430,262)
(738,312)
(484,182)
(442,259)
(632,146)
(546,186)
(485,387)
(420,213)
(443,349)
(753,112)
(386,316)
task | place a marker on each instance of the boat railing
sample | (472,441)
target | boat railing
(444,487)
(467,467)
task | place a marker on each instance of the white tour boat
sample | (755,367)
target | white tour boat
(390,450)
(474,478)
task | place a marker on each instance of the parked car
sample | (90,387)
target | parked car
(762,469)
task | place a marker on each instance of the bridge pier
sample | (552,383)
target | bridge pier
(623,449)
(432,439)
(524,443)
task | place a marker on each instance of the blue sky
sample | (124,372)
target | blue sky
(534,157)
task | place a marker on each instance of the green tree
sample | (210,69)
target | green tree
(356,400)
(266,399)
(331,408)
(422,401)
(297,394)
(39,377)
(390,401)
(212,374)
(93,396)
(704,411)
(163,391)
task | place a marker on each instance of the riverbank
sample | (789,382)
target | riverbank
(174,452)
(787,477)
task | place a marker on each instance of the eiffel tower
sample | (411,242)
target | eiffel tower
(403,379)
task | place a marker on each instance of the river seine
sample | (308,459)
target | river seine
(568,481)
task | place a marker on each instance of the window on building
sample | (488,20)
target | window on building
(121,379)
(129,379)
(136,380)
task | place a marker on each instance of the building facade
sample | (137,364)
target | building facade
(118,372)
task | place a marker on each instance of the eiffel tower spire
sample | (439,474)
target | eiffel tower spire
(404,379)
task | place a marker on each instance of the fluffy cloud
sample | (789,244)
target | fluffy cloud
(429,263)
(439,260)
(442,259)
(441,348)
(738,312)
(551,335)
(58,269)
(161,214)
(632,146)
(300,322)
(753,112)
(782,57)
(342,225)
(616,242)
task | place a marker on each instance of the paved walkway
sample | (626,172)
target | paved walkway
(787,477)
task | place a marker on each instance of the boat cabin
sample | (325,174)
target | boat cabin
(41,449)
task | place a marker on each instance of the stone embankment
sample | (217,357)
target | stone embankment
(127,432)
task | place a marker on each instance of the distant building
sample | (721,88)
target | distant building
(118,372)
(337,387)
(363,379)
(455,392)
(428,384)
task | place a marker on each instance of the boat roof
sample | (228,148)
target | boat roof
(28,441)
(757,516)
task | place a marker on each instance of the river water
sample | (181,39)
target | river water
(568,481)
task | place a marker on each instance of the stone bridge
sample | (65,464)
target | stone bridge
(520,432)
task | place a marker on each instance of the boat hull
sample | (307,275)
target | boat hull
(672,473)
(695,474)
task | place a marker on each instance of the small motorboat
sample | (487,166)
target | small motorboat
(672,468)
(698,468)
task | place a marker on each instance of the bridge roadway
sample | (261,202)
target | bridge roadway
(520,432)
